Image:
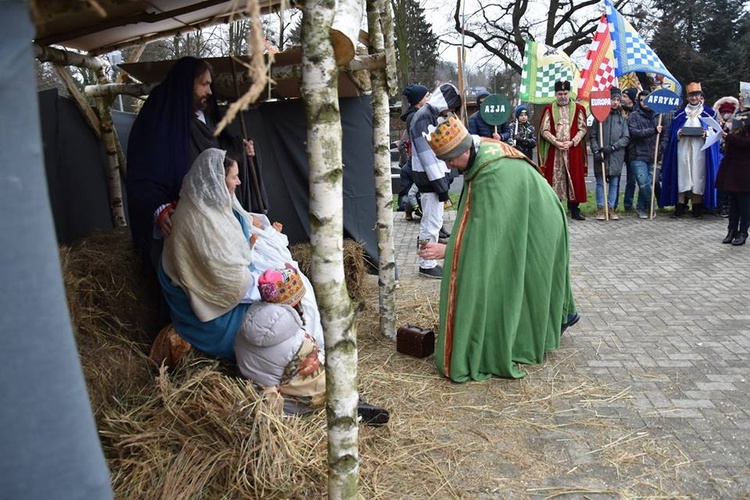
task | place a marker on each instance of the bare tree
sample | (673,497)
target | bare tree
(501,28)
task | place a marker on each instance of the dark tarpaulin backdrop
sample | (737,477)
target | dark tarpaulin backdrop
(280,130)
(76,166)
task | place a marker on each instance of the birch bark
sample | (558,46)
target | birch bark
(382,164)
(319,91)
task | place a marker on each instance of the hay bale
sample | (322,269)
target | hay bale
(202,434)
(355,265)
(110,309)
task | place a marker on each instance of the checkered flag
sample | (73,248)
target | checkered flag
(598,71)
(631,52)
(543,66)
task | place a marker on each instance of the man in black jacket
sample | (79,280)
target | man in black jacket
(643,125)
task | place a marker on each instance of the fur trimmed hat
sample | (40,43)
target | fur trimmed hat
(449,138)
(562,85)
(415,93)
(727,105)
(281,286)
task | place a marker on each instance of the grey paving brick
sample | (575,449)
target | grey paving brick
(665,316)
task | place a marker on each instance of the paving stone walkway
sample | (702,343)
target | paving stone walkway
(665,311)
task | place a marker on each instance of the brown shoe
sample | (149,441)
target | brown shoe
(600,213)
(613,214)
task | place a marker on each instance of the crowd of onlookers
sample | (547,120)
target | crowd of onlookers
(670,159)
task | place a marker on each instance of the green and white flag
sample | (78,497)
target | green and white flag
(542,67)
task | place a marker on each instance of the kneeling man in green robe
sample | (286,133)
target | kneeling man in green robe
(505,295)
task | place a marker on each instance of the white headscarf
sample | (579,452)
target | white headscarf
(207,252)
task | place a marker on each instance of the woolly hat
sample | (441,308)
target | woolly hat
(631,92)
(449,139)
(561,85)
(615,93)
(521,108)
(480,97)
(281,286)
(415,93)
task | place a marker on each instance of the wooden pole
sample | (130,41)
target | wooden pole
(653,174)
(254,177)
(461,84)
(382,162)
(91,119)
(604,172)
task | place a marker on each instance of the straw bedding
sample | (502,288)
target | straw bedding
(201,432)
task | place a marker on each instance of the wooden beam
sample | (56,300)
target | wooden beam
(88,113)
(359,63)
(114,89)
(66,58)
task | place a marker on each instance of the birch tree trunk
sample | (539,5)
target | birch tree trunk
(382,164)
(320,94)
(110,144)
(113,171)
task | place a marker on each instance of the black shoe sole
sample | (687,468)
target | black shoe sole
(572,321)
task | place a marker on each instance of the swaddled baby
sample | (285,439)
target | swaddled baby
(272,347)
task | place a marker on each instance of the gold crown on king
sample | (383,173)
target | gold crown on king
(446,136)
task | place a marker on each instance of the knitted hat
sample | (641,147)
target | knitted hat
(615,93)
(631,92)
(693,87)
(561,85)
(281,286)
(521,108)
(449,139)
(415,93)
(480,97)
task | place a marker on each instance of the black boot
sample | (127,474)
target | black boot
(372,415)
(575,212)
(679,209)
(739,239)
(729,237)
(697,210)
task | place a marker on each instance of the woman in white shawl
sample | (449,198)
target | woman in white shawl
(210,265)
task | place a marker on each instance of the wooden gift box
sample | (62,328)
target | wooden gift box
(415,341)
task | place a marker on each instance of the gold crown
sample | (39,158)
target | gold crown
(693,87)
(447,136)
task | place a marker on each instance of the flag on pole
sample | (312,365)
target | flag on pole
(631,52)
(542,67)
(598,71)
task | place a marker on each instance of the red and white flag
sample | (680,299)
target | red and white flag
(598,71)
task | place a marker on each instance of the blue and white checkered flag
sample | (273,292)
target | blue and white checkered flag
(631,52)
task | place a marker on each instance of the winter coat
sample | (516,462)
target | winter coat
(615,134)
(430,174)
(524,136)
(734,169)
(477,126)
(267,341)
(642,127)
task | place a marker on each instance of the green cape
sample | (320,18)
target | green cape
(506,285)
